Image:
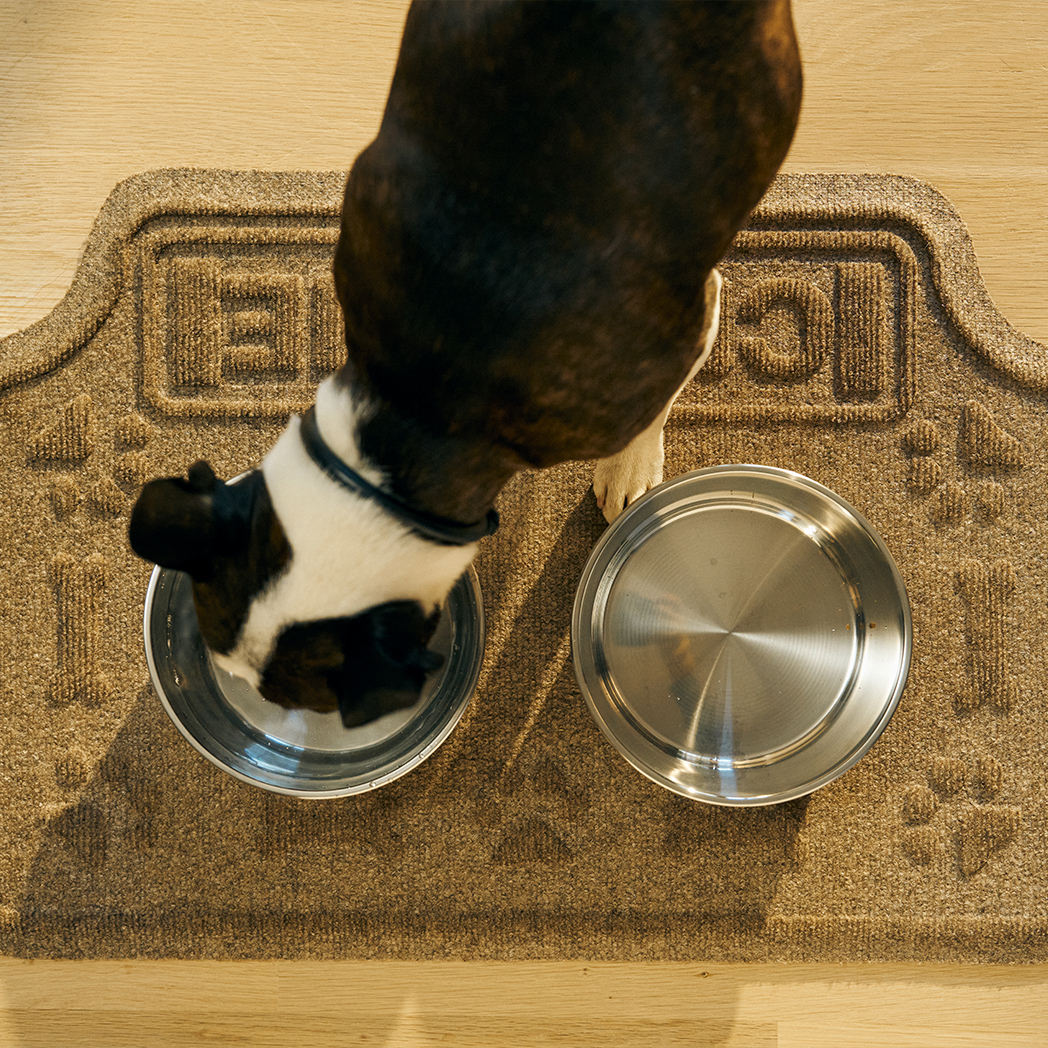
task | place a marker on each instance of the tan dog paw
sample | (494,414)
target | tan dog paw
(621,479)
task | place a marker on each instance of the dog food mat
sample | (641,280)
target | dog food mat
(858,346)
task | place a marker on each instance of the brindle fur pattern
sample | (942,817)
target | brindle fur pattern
(522,269)
(526,243)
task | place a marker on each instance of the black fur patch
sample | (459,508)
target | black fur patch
(364,665)
(525,245)
(227,537)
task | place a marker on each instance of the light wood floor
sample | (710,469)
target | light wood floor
(94,90)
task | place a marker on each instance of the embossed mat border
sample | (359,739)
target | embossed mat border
(849,199)
(925,222)
(514,935)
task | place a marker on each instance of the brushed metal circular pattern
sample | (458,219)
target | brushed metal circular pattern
(299,752)
(742,635)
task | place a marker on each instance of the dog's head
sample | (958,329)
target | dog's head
(230,541)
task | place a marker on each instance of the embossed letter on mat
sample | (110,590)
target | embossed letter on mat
(858,346)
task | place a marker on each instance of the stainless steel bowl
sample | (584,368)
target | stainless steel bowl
(300,752)
(742,635)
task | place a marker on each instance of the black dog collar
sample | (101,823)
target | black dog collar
(437,529)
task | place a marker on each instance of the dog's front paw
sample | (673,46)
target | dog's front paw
(623,478)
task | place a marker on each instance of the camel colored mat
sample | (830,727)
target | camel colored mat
(858,346)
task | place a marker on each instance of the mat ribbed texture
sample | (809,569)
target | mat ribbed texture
(858,346)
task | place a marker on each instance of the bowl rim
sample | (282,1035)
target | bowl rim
(590,580)
(373,783)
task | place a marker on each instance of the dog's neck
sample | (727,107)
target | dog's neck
(455,477)
(345,530)
(347,554)
(340,414)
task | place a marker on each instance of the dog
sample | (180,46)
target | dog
(526,268)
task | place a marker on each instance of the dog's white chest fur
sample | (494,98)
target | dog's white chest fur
(347,554)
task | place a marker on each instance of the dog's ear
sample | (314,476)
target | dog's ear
(394,676)
(174,523)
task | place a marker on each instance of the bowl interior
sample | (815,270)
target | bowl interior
(301,752)
(742,635)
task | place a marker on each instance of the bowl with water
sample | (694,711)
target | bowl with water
(300,752)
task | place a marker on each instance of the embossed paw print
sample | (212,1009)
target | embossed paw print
(66,443)
(952,822)
(66,447)
(540,800)
(985,449)
(115,809)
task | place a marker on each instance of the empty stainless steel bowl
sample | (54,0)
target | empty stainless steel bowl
(742,635)
(300,752)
